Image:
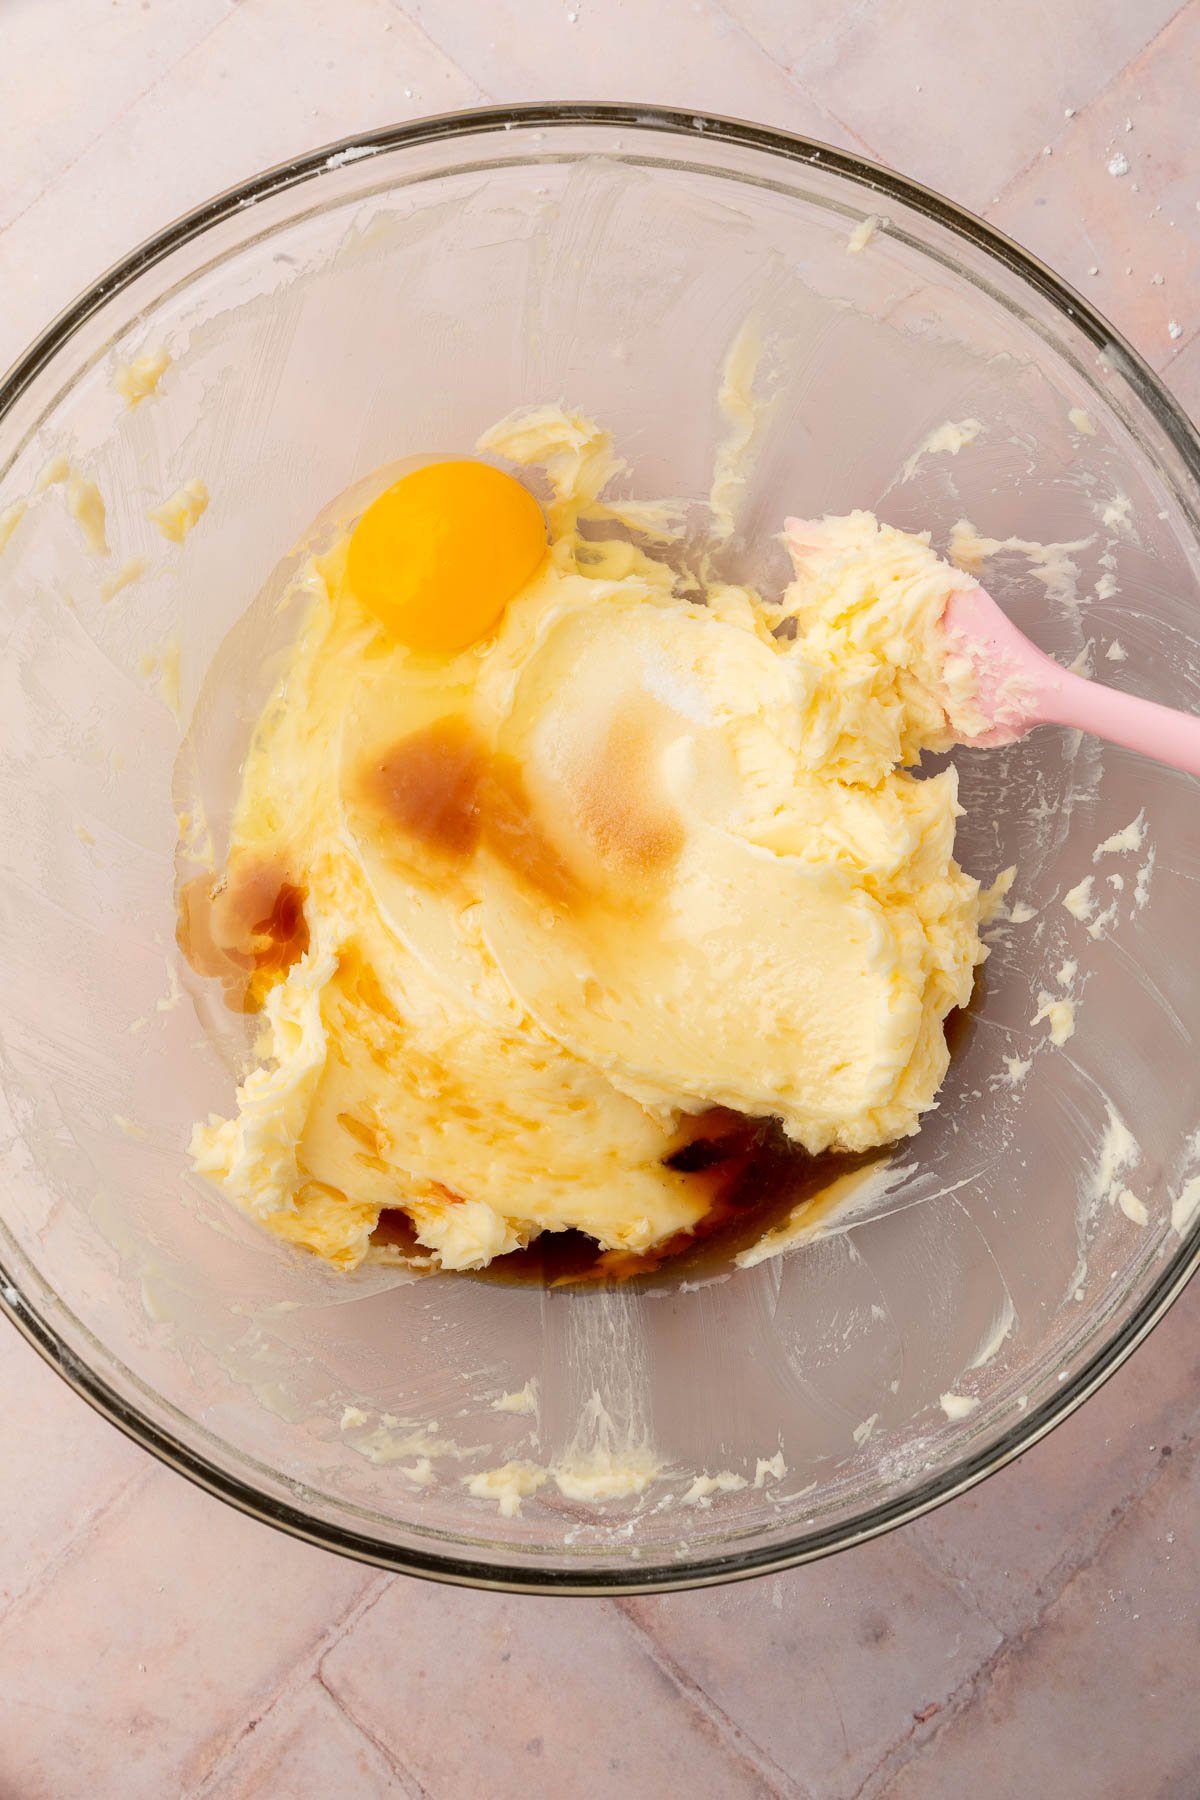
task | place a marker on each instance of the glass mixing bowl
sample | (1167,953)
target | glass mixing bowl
(394,296)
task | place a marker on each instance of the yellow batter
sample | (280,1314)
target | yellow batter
(514,908)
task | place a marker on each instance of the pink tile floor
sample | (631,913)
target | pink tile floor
(1040,1636)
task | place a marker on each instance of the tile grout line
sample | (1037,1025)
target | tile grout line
(733,1735)
(110,124)
(75,1541)
(416,1787)
(1064,1571)
(1011,1649)
(423,32)
(857,13)
(1101,93)
(305,1669)
(1185,343)
(793,77)
(135,100)
(867,149)
(951,1585)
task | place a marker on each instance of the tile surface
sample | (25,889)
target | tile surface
(305,1745)
(169,1620)
(842,1655)
(1104,1681)
(1037,1636)
(488,1694)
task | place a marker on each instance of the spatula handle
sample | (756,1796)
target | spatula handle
(1158,731)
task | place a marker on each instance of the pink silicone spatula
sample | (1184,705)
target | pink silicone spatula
(1018,686)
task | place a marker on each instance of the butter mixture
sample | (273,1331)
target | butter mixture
(533,870)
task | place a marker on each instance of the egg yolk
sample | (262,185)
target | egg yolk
(440,554)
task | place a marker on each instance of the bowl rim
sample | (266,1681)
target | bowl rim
(711,1568)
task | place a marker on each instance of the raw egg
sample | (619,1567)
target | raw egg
(440,554)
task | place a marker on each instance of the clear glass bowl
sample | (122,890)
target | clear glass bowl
(394,296)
